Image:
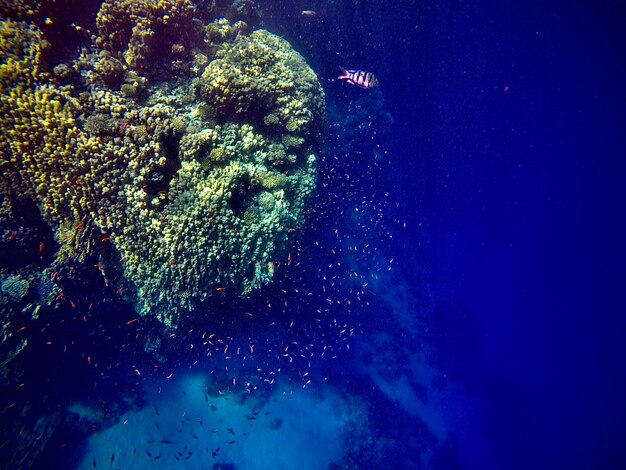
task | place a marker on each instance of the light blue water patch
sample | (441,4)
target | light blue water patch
(180,425)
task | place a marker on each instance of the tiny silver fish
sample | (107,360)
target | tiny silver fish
(361,78)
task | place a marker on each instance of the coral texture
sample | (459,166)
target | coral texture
(15,287)
(262,79)
(141,30)
(181,190)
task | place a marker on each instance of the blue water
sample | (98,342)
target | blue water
(457,297)
(524,215)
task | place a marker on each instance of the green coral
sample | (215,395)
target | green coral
(292,141)
(251,216)
(272,179)
(218,155)
(261,79)
(15,287)
(179,203)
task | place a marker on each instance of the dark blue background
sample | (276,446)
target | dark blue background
(521,197)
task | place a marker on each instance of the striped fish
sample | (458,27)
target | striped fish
(365,80)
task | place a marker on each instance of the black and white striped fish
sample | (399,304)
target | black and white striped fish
(365,80)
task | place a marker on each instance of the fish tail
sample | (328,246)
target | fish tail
(344,73)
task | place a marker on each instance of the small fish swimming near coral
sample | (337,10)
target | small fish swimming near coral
(361,78)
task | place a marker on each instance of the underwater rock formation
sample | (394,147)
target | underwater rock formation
(178,159)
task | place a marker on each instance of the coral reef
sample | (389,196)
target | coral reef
(261,79)
(15,287)
(140,31)
(176,190)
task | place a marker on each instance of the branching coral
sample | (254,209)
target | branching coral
(22,50)
(43,151)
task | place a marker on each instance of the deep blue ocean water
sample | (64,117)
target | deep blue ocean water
(517,134)
(459,300)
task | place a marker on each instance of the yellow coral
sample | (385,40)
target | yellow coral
(218,154)
(272,179)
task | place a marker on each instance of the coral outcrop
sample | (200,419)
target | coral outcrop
(177,190)
(261,79)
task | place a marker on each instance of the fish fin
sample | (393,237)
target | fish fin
(344,73)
